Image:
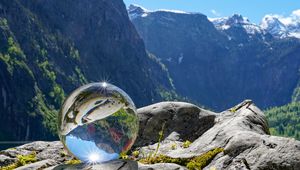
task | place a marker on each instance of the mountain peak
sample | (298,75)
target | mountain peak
(135,10)
(274,26)
(282,27)
(236,20)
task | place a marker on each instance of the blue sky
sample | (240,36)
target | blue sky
(253,9)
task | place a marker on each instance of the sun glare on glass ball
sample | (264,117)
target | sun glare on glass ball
(104,84)
(94,157)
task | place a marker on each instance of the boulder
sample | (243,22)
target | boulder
(241,134)
(188,120)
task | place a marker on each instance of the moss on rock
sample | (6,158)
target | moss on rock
(194,163)
(21,161)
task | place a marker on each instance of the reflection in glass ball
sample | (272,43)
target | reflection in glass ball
(97,122)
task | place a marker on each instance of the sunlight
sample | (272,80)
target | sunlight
(94,157)
(104,84)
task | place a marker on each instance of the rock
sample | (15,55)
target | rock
(159,166)
(6,160)
(112,165)
(188,120)
(46,153)
(38,165)
(241,131)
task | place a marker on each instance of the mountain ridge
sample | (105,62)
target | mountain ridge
(269,24)
(218,66)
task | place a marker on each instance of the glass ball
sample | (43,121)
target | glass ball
(97,122)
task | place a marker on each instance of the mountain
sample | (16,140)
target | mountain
(273,25)
(236,20)
(218,62)
(48,48)
(281,26)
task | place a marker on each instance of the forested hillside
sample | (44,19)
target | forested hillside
(285,120)
(50,47)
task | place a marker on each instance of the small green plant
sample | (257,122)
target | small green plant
(160,136)
(173,146)
(152,155)
(63,153)
(233,110)
(186,144)
(73,161)
(123,155)
(135,153)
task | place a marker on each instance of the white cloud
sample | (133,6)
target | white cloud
(296,13)
(215,13)
(291,19)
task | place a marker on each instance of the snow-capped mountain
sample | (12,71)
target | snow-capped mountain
(221,60)
(236,20)
(277,25)
(282,27)
(272,25)
(135,11)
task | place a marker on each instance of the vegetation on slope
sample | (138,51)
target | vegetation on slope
(34,77)
(285,120)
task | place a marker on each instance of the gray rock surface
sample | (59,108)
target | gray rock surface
(161,166)
(38,165)
(6,160)
(116,165)
(242,131)
(188,120)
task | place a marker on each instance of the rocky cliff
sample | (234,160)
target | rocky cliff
(192,138)
(50,47)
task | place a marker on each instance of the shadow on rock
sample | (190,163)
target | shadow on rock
(112,165)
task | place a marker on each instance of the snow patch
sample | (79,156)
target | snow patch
(295,34)
(135,11)
(172,11)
